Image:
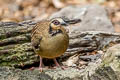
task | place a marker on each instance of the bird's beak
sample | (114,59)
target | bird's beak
(64,24)
(74,21)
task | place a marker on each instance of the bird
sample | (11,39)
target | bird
(50,39)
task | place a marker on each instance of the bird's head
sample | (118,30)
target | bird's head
(57,23)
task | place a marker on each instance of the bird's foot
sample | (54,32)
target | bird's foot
(58,65)
(62,67)
(41,69)
(32,68)
(38,68)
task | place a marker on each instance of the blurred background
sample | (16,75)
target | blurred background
(20,10)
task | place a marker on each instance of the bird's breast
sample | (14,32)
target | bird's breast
(54,46)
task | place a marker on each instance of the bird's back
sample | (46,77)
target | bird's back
(40,28)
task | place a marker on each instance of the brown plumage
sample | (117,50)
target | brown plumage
(46,45)
(50,39)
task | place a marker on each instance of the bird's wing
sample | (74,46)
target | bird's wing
(36,43)
(38,32)
(36,37)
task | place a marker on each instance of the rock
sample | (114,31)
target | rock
(94,18)
(7,73)
(91,72)
(112,57)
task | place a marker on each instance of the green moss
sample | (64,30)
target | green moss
(4,63)
(2,37)
(17,56)
(1,48)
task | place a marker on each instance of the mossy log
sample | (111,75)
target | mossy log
(16,49)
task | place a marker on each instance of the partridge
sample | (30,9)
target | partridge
(50,39)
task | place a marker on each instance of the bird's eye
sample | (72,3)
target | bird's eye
(56,22)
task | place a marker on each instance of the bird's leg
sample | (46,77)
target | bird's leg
(40,65)
(57,64)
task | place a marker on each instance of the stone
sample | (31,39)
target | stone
(94,18)
(112,57)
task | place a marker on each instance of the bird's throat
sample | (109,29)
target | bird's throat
(53,32)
